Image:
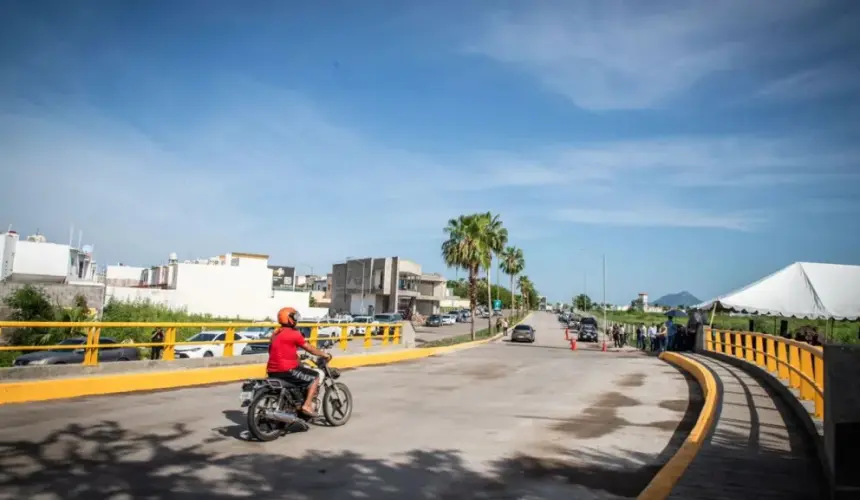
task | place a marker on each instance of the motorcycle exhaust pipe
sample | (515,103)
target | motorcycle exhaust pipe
(282,416)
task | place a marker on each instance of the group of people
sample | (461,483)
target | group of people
(664,337)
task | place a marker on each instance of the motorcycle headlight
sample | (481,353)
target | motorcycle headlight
(335,373)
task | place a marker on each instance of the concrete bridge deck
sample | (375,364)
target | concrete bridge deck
(497,421)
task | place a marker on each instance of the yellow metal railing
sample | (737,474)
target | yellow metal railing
(390,335)
(799,364)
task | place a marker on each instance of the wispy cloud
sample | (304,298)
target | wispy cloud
(633,55)
(661,217)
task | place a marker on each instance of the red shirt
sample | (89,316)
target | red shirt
(284,350)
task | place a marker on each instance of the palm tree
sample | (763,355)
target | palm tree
(495,237)
(465,249)
(512,263)
(525,286)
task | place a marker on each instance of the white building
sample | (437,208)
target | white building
(35,260)
(385,285)
(230,285)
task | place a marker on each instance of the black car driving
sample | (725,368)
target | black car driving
(434,320)
(587,330)
(523,333)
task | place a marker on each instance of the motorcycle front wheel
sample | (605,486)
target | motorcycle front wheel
(337,404)
(260,427)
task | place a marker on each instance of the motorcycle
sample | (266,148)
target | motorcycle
(273,405)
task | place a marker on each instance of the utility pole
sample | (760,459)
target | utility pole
(604,297)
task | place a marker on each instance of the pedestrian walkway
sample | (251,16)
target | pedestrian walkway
(758,450)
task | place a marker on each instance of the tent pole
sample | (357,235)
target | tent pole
(713,312)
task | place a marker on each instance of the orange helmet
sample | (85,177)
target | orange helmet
(287,317)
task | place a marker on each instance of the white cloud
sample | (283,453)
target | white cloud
(660,217)
(619,55)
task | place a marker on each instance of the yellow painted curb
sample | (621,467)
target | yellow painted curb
(666,478)
(62,388)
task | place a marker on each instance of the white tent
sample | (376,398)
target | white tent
(802,290)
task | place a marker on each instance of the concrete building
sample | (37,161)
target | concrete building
(233,285)
(35,260)
(385,285)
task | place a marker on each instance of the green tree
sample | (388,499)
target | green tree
(312,302)
(525,286)
(583,302)
(513,263)
(465,248)
(495,238)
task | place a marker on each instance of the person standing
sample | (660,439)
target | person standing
(640,336)
(670,335)
(157,336)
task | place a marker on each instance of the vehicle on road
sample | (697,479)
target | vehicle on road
(587,330)
(209,350)
(112,352)
(433,320)
(523,333)
(360,330)
(273,405)
(449,319)
(256,332)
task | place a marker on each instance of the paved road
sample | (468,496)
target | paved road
(498,421)
(431,333)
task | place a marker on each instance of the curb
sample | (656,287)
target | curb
(668,476)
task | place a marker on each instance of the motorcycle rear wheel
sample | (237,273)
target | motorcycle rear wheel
(259,426)
(337,404)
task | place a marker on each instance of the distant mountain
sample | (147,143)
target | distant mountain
(682,299)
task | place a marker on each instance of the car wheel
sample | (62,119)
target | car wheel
(208,354)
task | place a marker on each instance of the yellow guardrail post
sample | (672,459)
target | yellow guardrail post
(396,339)
(91,351)
(750,354)
(759,351)
(782,356)
(794,362)
(771,350)
(385,334)
(807,392)
(229,339)
(819,381)
(315,331)
(368,331)
(344,337)
(709,339)
(169,353)
(739,344)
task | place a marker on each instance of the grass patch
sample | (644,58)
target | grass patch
(843,331)
(467,337)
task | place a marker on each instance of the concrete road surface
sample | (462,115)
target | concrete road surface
(501,421)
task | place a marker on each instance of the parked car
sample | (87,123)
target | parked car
(449,319)
(76,356)
(209,350)
(434,320)
(364,319)
(523,333)
(256,332)
(587,330)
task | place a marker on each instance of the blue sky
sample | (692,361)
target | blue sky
(699,145)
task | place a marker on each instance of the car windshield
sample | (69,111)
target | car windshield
(435,316)
(360,320)
(382,317)
(70,342)
(589,321)
(203,337)
(522,327)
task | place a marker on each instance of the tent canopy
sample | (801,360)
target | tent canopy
(802,290)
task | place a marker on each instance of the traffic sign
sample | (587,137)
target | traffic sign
(497,305)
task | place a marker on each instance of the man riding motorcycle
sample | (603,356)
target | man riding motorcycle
(284,363)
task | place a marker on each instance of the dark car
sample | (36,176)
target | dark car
(76,356)
(523,333)
(587,330)
(434,320)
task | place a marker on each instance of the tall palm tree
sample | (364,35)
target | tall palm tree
(525,286)
(512,263)
(495,237)
(464,249)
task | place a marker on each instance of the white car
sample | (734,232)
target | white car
(256,332)
(364,319)
(328,328)
(449,319)
(209,350)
